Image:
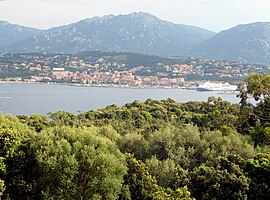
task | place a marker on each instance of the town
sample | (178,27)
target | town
(121,69)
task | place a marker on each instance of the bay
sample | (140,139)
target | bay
(22,98)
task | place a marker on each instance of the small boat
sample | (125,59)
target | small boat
(208,86)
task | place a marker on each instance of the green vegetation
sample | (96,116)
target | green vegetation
(134,59)
(77,163)
(11,73)
(142,150)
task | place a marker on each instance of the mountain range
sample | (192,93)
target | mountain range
(142,33)
(12,33)
(247,42)
(136,32)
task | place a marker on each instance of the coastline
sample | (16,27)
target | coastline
(116,86)
(98,85)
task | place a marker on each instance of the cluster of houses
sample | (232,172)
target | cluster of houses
(65,68)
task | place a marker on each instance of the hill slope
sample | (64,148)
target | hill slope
(136,32)
(249,43)
(10,33)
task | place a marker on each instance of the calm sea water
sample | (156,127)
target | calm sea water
(19,98)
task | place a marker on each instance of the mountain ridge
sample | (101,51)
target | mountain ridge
(141,32)
(137,32)
(244,42)
(10,33)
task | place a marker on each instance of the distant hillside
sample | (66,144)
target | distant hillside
(249,43)
(133,59)
(11,33)
(136,32)
(142,33)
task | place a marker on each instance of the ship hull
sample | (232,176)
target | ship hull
(216,87)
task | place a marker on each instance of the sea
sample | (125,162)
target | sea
(28,99)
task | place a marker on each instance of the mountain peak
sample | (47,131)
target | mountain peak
(135,32)
(98,18)
(245,42)
(141,14)
(146,18)
(138,15)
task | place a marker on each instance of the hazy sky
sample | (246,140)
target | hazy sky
(214,15)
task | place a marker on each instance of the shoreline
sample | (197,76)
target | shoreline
(98,85)
(116,86)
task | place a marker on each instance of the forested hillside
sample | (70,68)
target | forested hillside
(142,150)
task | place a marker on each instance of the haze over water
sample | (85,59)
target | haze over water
(18,99)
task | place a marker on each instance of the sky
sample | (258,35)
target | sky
(215,15)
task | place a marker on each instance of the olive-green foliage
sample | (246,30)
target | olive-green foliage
(182,177)
(222,113)
(225,181)
(144,186)
(261,134)
(141,184)
(110,133)
(37,121)
(220,143)
(12,134)
(179,194)
(2,170)
(177,150)
(15,160)
(136,144)
(176,143)
(188,147)
(163,170)
(258,169)
(255,120)
(62,118)
(2,187)
(145,117)
(258,85)
(77,163)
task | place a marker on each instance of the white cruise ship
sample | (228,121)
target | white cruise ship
(208,86)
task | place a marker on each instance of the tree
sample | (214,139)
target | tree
(2,187)
(144,186)
(258,169)
(176,143)
(16,161)
(223,142)
(257,117)
(141,184)
(37,121)
(136,144)
(179,194)
(164,171)
(2,170)
(224,181)
(77,163)
(258,86)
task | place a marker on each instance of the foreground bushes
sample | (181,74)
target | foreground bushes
(143,150)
